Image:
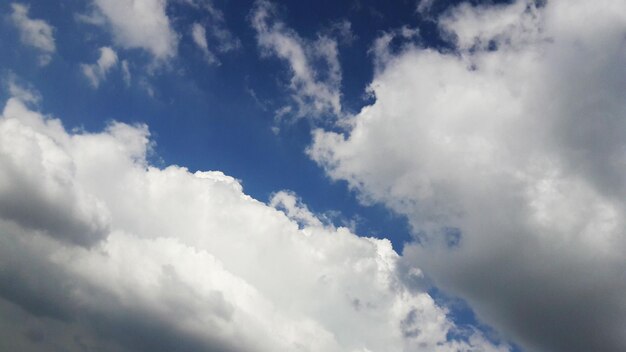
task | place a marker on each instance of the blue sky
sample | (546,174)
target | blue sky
(204,116)
(439,175)
(220,116)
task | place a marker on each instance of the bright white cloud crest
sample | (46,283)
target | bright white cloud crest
(508,157)
(97,243)
(140,24)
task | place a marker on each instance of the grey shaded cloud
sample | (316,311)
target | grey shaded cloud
(106,252)
(515,141)
(37,185)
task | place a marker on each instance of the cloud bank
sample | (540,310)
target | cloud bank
(101,250)
(507,155)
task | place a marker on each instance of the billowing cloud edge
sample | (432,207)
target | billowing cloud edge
(100,249)
(506,155)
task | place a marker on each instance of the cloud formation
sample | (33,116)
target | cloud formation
(36,33)
(508,156)
(141,24)
(97,72)
(101,250)
(198,34)
(223,38)
(314,65)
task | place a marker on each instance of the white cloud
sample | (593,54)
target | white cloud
(381,48)
(508,158)
(20,90)
(126,75)
(100,250)
(198,33)
(294,209)
(315,70)
(423,6)
(97,72)
(34,32)
(140,24)
(37,185)
(225,40)
(94,18)
(476,27)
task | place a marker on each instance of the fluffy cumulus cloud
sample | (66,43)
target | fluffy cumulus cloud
(36,33)
(508,157)
(314,65)
(141,24)
(101,250)
(97,72)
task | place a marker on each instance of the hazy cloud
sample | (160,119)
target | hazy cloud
(97,72)
(224,40)
(314,65)
(198,33)
(34,32)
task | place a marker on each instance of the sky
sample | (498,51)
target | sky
(354,176)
